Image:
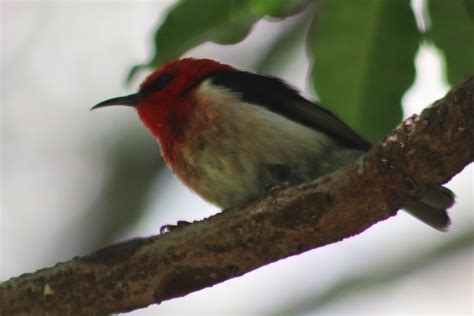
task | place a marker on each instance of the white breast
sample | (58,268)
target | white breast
(240,140)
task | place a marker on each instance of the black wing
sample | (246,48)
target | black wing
(277,96)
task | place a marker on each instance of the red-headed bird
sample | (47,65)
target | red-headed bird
(230,135)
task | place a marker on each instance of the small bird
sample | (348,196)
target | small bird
(230,135)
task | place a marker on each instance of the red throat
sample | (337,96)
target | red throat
(166,112)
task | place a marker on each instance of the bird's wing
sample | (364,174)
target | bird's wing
(279,97)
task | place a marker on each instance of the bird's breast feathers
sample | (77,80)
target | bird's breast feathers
(234,146)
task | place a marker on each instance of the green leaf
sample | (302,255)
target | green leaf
(452,31)
(285,44)
(277,8)
(364,60)
(470,8)
(193,22)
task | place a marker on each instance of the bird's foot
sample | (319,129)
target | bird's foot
(170,228)
(275,188)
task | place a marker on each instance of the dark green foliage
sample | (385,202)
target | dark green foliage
(363,60)
(193,22)
(362,51)
(452,31)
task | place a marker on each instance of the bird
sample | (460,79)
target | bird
(231,135)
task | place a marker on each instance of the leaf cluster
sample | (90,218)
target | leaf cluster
(362,51)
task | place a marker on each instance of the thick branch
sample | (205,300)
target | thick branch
(426,149)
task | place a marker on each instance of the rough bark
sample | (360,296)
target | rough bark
(424,150)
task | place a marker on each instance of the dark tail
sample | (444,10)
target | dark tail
(431,208)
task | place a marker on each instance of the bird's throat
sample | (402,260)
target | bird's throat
(166,123)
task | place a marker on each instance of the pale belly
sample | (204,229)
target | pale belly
(237,160)
(232,152)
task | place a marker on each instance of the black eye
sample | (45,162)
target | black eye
(158,84)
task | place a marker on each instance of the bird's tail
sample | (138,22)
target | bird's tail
(431,208)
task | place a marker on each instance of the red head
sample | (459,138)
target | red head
(163,101)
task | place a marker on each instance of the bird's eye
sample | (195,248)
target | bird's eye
(158,84)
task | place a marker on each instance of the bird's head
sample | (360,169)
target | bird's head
(161,101)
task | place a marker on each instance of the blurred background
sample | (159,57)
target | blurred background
(73,181)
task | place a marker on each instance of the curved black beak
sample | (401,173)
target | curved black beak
(128,100)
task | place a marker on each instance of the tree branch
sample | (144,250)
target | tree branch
(423,150)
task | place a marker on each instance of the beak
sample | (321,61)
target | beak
(128,100)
